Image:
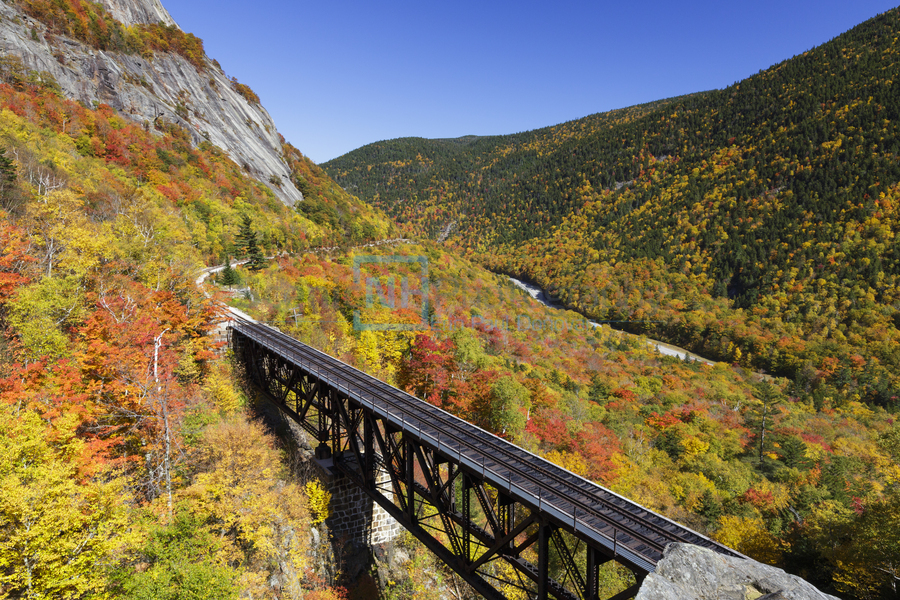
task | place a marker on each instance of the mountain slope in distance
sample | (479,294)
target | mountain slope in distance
(427,183)
(755,224)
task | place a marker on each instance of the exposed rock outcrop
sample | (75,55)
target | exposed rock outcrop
(132,12)
(692,573)
(166,87)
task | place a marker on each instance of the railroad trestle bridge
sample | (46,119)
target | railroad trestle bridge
(507,521)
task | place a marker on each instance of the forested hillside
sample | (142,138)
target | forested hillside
(756,224)
(729,453)
(428,184)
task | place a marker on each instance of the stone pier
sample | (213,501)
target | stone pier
(354,516)
(221,335)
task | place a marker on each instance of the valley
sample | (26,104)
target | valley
(753,224)
(665,349)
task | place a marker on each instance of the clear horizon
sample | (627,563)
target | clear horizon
(338,76)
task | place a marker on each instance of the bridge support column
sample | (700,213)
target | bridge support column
(354,516)
(221,335)
(543,561)
(592,576)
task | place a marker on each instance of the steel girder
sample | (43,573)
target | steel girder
(498,543)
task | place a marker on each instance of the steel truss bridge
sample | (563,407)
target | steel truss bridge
(508,522)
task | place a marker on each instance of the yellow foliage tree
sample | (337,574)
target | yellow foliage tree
(62,234)
(222,390)
(694,446)
(569,460)
(319,501)
(39,312)
(863,548)
(750,537)
(239,491)
(379,352)
(57,531)
(68,247)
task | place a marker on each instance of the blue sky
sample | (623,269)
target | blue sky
(336,75)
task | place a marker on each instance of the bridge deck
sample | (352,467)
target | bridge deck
(623,527)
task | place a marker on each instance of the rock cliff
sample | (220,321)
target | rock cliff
(165,87)
(132,12)
(692,573)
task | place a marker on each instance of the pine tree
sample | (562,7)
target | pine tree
(710,507)
(599,390)
(7,176)
(247,242)
(229,276)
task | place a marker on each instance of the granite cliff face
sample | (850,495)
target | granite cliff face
(692,573)
(132,12)
(165,87)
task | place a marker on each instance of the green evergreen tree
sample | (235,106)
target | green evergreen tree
(710,508)
(599,390)
(228,275)
(7,176)
(761,415)
(247,242)
(793,452)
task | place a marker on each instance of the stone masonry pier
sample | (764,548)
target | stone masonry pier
(354,516)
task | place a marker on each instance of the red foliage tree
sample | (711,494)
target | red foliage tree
(426,372)
(597,443)
(13,253)
(549,426)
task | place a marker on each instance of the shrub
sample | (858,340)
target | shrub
(319,501)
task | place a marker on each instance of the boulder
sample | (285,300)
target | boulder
(690,572)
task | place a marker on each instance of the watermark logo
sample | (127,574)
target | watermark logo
(386,295)
(407,306)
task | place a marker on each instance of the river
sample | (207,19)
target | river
(663,348)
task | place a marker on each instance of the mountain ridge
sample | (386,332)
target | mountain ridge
(409,156)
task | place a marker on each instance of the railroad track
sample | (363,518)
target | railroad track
(616,522)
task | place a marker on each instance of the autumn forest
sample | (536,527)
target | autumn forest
(756,226)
